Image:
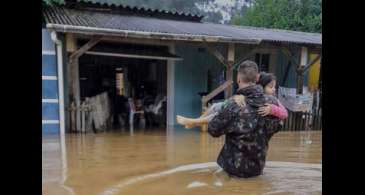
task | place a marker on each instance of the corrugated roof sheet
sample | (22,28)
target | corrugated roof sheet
(133,10)
(62,18)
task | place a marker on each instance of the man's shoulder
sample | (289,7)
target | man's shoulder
(229,103)
(231,106)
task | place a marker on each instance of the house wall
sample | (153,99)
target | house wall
(190,74)
(191,78)
(50,110)
(278,64)
(281,65)
(242,50)
(313,73)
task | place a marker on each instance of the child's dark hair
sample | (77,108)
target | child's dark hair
(265,78)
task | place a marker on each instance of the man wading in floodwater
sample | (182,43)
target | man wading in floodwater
(247,133)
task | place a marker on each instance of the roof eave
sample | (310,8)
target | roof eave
(302,43)
(148,35)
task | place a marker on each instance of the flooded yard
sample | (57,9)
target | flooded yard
(174,161)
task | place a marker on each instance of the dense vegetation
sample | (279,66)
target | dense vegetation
(298,15)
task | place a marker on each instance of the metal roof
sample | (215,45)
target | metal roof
(66,19)
(133,10)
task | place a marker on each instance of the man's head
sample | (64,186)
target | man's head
(247,73)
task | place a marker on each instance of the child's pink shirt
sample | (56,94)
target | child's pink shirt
(279,111)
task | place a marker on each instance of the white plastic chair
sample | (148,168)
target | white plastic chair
(132,112)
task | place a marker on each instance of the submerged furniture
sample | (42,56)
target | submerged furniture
(155,111)
(133,111)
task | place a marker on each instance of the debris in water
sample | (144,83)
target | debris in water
(218,183)
(196,184)
(308,141)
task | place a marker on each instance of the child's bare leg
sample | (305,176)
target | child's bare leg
(183,121)
(202,120)
(190,122)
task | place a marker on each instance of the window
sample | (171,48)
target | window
(263,61)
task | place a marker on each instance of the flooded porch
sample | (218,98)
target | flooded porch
(174,161)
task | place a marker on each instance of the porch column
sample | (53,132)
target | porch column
(229,71)
(74,80)
(75,89)
(171,88)
(300,69)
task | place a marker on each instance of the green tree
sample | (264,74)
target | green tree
(298,15)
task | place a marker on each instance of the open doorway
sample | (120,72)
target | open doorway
(124,90)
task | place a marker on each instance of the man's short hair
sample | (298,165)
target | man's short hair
(248,71)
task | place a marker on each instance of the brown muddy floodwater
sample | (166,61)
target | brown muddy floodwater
(173,162)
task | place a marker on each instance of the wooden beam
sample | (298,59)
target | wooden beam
(303,56)
(231,53)
(205,99)
(123,55)
(290,56)
(286,73)
(312,62)
(74,73)
(217,54)
(229,71)
(75,90)
(70,42)
(300,80)
(247,56)
(300,69)
(93,41)
(132,40)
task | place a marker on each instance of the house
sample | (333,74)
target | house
(85,44)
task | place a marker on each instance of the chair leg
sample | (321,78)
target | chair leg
(131,119)
(131,123)
(142,121)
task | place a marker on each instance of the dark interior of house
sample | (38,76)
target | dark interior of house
(134,86)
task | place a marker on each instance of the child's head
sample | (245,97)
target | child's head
(268,82)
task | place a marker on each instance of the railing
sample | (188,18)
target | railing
(215,92)
(211,95)
(73,112)
(298,121)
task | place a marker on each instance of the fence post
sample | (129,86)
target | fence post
(82,108)
(72,117)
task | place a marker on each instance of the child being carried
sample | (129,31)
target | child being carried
(266,80)
(209,114)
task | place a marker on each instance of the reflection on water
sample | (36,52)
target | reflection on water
(174,161)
